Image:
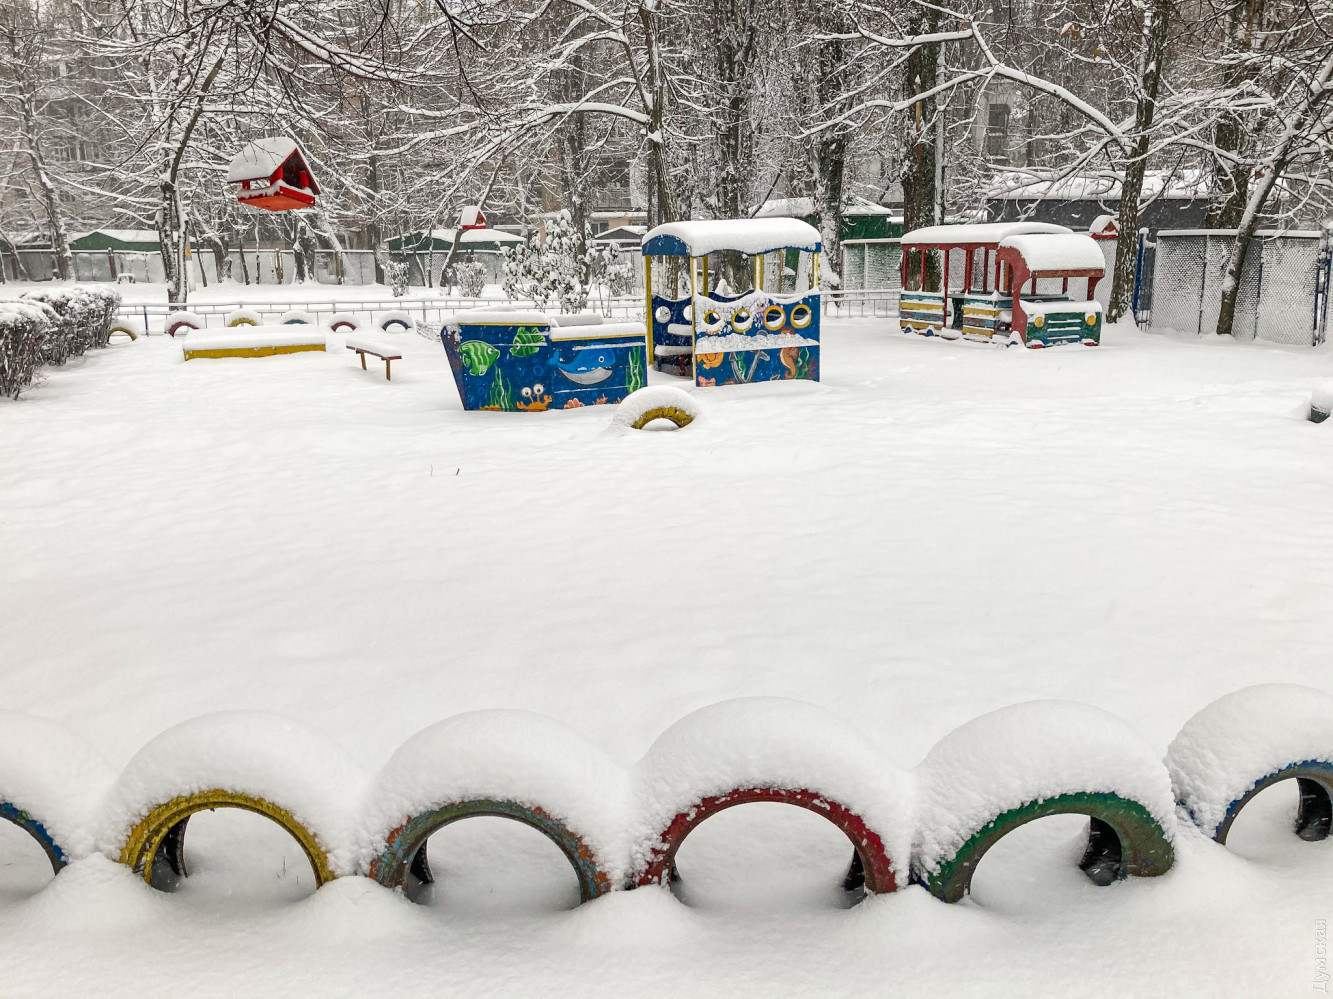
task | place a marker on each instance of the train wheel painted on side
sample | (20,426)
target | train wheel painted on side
(156,846)
(1123,839)
(404,863)
(871,867)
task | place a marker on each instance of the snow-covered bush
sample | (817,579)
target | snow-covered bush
(23,327)
(612,269)
(82,320)
(550,270)
(396,271)
(471,278)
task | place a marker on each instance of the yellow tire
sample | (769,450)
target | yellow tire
(159,836)
(677,416)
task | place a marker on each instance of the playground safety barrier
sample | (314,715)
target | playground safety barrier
(621,827)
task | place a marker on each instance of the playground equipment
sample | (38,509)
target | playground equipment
(273,175)
(255,341)
(1023,296)
(657,402)
(737,321)
(621,827)
(528,361)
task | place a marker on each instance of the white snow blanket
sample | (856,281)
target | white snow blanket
(1322,397)
(516,756)
(1070,251)
(258,159)
(252,752)
(978,232)
(768,742)
(54,776)
(1030,752)
(593,332)
(1047,307)
(633,407)
(749,236)
(1241,738)
(235,337)
(756,341)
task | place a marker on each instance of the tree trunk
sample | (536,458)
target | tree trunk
(1232,177)
(1155,27)
(831,150)
(1270,172)
(661,198)
(920,199)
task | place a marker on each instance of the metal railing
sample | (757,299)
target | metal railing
(427,313)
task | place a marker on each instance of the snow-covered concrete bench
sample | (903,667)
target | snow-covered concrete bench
(254,341)
(378,348)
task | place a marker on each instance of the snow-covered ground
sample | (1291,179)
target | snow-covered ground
(933,531)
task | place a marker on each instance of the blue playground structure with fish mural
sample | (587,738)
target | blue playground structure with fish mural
(757,322)
(528,361)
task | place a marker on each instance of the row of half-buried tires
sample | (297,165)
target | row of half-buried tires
(182,321)
(621,827)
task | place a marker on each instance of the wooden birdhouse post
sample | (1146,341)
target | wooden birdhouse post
(273,175)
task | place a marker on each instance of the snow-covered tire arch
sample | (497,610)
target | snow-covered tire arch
(1024,762)
(259,762)
(51,782)
(657,402)
(344,322)
(505,764)
(769,749)
(395,320)
(243,317)
(1249,740)
(126,327)
(298,317)
(183,320)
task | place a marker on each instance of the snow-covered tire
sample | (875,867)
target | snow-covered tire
(127,327)
(1321,402)
(51,783)
(252,760)
(657,402)
(1027,761)
(182,322)
(770,749)
(243,317)
(344,322)
(509,764)
(1249,740)
(395,321)
(297,317)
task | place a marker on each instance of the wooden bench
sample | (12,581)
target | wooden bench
(364,346)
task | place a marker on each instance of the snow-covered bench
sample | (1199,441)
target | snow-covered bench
(377,348)
(254,341)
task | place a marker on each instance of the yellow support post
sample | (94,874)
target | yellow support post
(694,318)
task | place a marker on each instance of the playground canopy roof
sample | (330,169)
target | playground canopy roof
(748,236)
(977,233)
(1059,252)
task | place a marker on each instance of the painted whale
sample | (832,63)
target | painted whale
(588,366)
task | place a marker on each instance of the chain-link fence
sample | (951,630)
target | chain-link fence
(1282,296)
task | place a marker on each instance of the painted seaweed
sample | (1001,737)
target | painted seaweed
(634,370)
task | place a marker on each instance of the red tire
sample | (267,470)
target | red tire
(880,877)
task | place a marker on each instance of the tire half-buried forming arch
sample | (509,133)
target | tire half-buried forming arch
(403,863)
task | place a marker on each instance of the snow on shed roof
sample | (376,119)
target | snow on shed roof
(1072,251)
(258,159)
(749,236)
(978,232)
(798,208)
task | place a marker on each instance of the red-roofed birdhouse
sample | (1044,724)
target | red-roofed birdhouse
(273,175)
(471,218)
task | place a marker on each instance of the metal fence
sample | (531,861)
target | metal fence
(1283,288)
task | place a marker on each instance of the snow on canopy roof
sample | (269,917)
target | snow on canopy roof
(258,159)
(748,236)
(976,233)
(1072,251)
